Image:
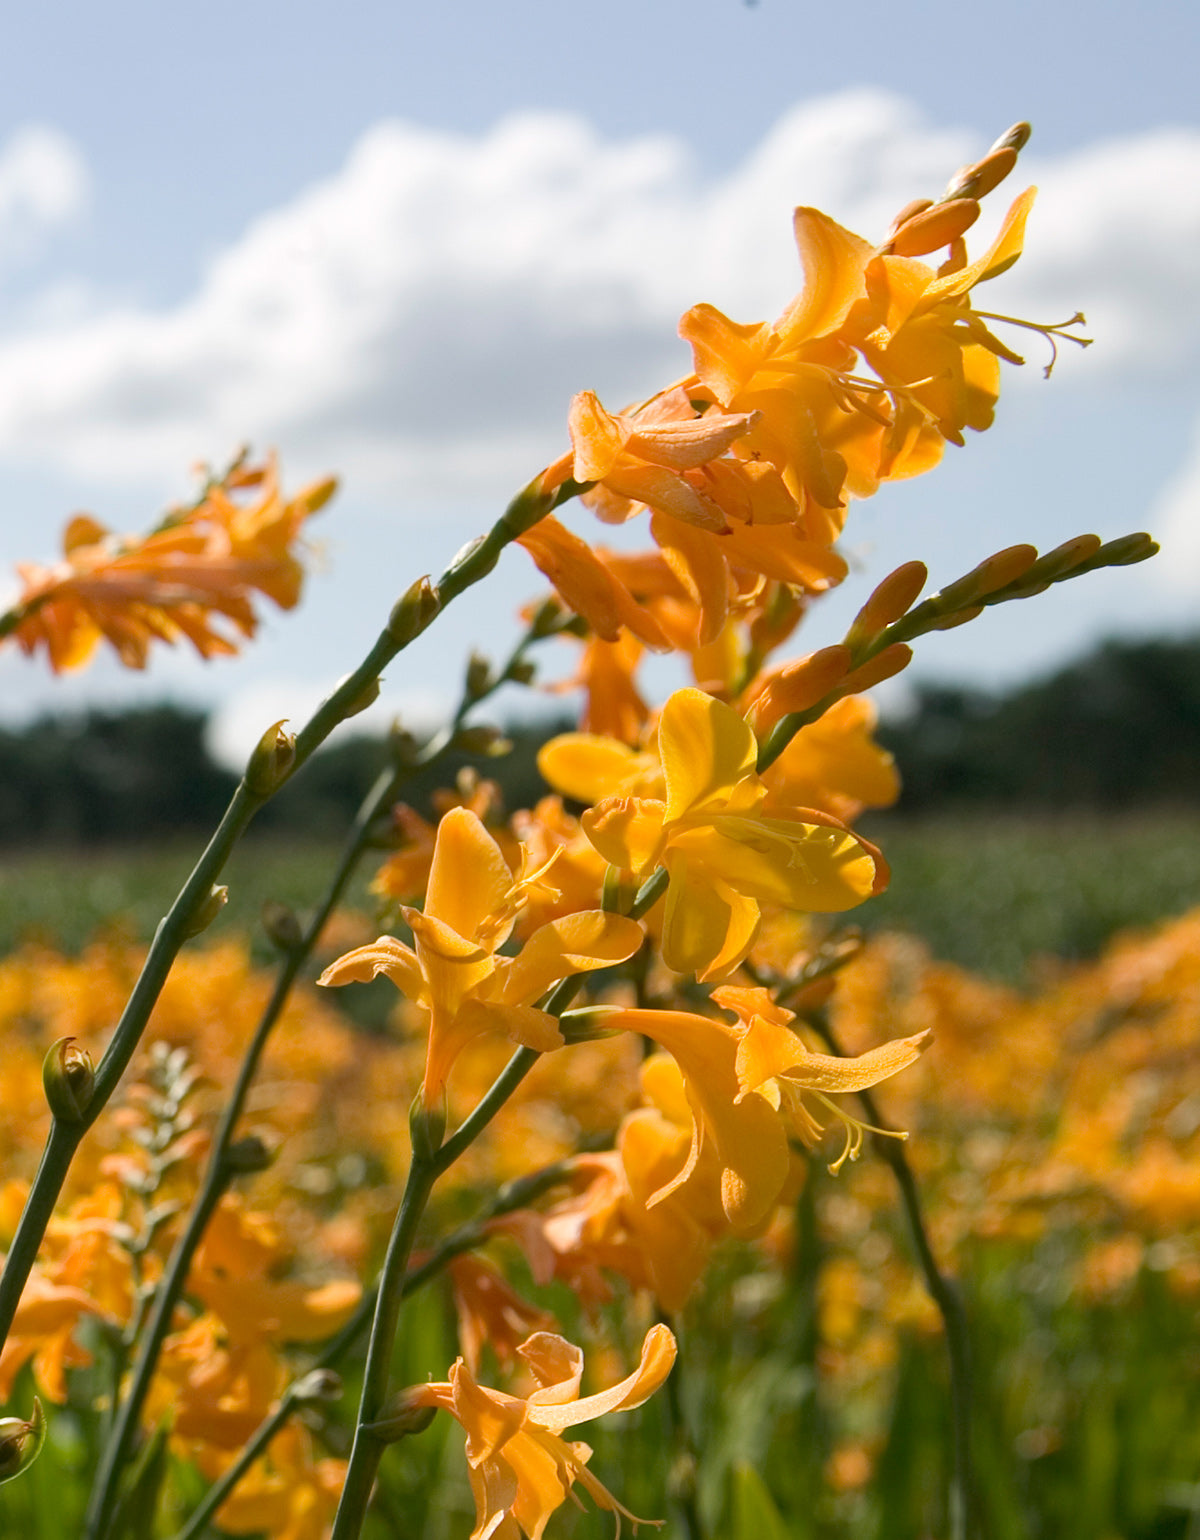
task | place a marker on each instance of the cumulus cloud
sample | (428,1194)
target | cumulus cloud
(43,183)
(421,318)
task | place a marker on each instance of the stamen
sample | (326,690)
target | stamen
(1052,334)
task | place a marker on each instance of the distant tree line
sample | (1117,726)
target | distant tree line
(1118,729)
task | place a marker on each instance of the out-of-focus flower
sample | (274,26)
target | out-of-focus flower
(520,1466)
(288,1494)
(201,564)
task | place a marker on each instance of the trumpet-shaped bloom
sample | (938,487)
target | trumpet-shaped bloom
(521,1468)
(454,970)
(775,1061)
(724,855)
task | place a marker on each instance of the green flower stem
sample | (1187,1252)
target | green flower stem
(681,1480)
(946,1296)
(217,1177)
(466,569)
(513,1195)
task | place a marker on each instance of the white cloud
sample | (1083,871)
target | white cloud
(1177,521)
(43,183)
(420,319)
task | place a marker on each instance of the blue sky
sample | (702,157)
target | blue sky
(393,240)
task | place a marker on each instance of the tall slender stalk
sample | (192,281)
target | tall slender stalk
(219,1174)
(944,1292)
(408,621)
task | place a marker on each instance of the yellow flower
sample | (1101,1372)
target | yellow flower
(520,1466)
(471,906)
(724,856)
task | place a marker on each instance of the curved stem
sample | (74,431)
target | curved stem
(944,1292)
(467,568)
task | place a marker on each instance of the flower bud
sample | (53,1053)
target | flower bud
(315,497)
(272,760)
(588,1024)
(978,180)
(21,1442)
(893,598)
(68,1078)
(366,697)
(400,1418)
(282,926)
(489,742)
(318,1385)
(909,211)
(479,676)
(546,618)
(207,911)
(1014,138)
(889,662)
(935,228)
(523,671)
(246,1156)
(412,613)
(1125,551)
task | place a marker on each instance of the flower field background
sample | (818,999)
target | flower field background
(342,1182)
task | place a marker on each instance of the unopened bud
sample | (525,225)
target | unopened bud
(935,228)
(68,1078)
(272,760)
(798,686)
(362,699)
(245,1156)
(401,1417)
(1014,138)
(893,598)
(1125,551)
(427,1126)
(909,211)
(546,618)
(523,671)
(479,676)
(318,494)
(489,742)
(1003,568)
(21,1441)
(588,1024)
(207,911)
(978,180)
(281,925)
(958,618)
(892,660)
(403,747)
(411,614)
(318,1385)
(1063,558)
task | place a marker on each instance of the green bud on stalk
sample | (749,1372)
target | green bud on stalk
(68,1078)
(272,760)
(21,1441)
(206,912)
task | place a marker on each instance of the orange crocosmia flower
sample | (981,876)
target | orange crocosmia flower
(774,1061)
(43,1330)
(472,904)
(200,564)
(808,424)
(288,1494)
(724,854)
(745,1134)
(655,456)
(490,1312)
(917,330)
(521,1468)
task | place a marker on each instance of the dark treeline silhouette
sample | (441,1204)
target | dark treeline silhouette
(1118,729)
(126,777)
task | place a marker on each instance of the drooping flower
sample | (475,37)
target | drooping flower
(455,970)
(520,1466)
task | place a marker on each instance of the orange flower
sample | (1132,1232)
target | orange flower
(199,563)
(472,904)
(520,1466)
